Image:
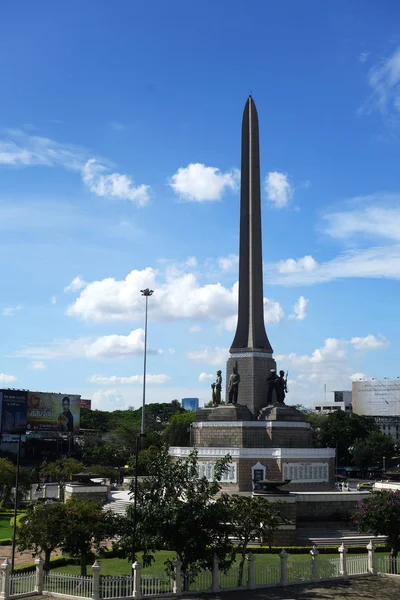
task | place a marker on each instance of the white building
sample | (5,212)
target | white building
(338,401)
(379,398)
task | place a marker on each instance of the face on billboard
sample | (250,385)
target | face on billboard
(53,412)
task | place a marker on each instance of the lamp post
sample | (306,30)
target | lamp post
(384,465)
(146,293)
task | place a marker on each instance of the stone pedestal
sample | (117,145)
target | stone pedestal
(253,368)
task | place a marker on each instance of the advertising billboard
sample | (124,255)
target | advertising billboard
(53,412)
(377,397)
(13,411)
(84,403)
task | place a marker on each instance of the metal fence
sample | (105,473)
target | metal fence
(328,567)
(299,571)
(116,586)
(233,578)
(69,585)
(388,564)
(152,585)
(197,581)
(267,575)
(357,565)
(22,583)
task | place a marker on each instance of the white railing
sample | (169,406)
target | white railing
(22,583)
(116,586)
(197,582)
(388,564)
(231,578)
(264,575)
(68,585)
(299,571)
(153,585)
(357,565)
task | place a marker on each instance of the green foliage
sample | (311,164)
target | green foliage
(18,519)
(5,541)
(380,514)
(7,480)
(175,511)
(371,450)
(177,433)
(40,529)
(55,563)
(61,469)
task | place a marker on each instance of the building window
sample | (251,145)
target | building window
(206,469)
(257,473)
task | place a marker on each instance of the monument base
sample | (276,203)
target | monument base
(253,368)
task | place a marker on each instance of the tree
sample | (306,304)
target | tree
(380,514)
(7,480)
(176,510)
(252,518)
(370,451)
(85,526)
(177,432)
(61,469)
(40,529)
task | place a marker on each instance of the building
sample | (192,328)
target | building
(379,398)
(339,401)
(190,404)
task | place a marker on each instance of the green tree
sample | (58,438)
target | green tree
(40,529)
(175,510)
(85,526)
(252,518)
(61,469)
(7,480)
(177,432)
(370,451)
(380,514)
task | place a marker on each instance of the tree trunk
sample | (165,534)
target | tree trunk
(47,556)
(241,567)
(83,564)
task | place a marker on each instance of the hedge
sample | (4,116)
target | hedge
(5,541)
(55,562)
(306,549)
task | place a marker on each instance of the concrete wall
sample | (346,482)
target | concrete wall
(334,506)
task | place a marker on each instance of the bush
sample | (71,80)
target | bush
(55,562)
(18,519)
(5,541)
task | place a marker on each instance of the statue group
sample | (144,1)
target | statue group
(276,388)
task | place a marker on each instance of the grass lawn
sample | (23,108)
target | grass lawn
(118,566)
(5,529)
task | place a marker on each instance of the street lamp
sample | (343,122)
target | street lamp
(146,293)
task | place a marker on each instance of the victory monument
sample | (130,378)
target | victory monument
(268,440)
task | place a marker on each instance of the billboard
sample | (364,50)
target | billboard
(377,397)
(13,405)
(53,412)
(84,403)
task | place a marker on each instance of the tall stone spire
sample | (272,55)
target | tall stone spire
(251,351)
(250,332)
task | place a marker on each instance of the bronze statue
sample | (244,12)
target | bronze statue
(216,389)
(233,386)
(276,387)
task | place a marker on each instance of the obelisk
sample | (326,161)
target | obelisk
(251,350)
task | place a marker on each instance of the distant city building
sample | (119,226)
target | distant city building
(340,400)
(379,398)
(190,403)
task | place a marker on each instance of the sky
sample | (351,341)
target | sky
(120,132)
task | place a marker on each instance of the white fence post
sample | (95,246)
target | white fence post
(137,574)
(5,574)
(44,491)
(39,575)
(250,579)
(342,565)
(96,580)
(284,571)
(177,576)
(215,575)
(371,557)
(314,563)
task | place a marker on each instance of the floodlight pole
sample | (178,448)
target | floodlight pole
(146,293)
(15,506)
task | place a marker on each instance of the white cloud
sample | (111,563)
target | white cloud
(171,351)
(76,284)
(115,380)
(179,297)
(108,400)
(371,221)
(307,263)
(113,185)
(369,342)
(22,150)
(299,309)
(363,57)
(38,365)
(210,356)
(194,329)
(199,183)
(227,263)
(357,376)
(7,378)
(107,346)
(384,81)
(278,189)
(206,376)
(10,311)
(53,300)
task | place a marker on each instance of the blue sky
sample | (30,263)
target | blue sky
(119,169)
